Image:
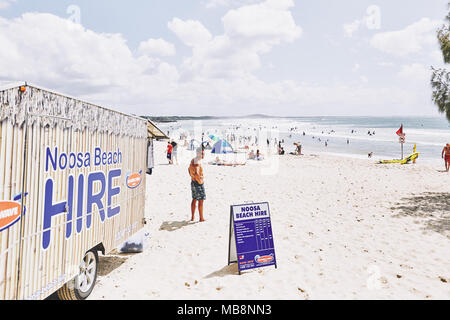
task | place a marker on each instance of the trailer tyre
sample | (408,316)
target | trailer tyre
(82,285)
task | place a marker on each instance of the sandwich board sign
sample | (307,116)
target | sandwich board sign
(251,242)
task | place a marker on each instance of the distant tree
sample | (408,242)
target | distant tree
(440,80)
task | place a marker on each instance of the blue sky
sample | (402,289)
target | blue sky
(228,57)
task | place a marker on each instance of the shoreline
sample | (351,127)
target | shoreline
(427,161)
(429,140)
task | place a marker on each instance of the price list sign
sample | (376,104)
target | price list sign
(251,242)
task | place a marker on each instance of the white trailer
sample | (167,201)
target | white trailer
(72,183)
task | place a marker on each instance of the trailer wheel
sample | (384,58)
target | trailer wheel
(82,285)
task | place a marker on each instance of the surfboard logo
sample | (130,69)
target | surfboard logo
(134,180)
(9,214)
(264,259)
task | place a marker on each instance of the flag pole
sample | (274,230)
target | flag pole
(402,141)
(402,150)
(402,138)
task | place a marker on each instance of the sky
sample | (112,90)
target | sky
(229,57)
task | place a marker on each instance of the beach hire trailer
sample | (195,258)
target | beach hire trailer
(72,184)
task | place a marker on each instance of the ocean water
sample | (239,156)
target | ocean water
(429,134)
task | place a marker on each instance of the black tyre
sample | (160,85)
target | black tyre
(82,285)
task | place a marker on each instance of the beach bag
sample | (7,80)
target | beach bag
(135,244)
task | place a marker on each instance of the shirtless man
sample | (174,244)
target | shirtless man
(197,184)
(446,156)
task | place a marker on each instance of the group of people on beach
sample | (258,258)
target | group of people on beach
(255,156)
(196,171)
(298,149)
(197,177)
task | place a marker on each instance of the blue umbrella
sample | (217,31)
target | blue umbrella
(221,147)
(214,138)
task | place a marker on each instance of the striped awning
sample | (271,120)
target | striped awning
(154,132)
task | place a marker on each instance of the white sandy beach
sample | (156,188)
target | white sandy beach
(343,229)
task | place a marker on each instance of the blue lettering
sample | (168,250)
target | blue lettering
(110,158)
(80,160)
(97,160)
(97,198)
(87,160)
(61,158)
(113,192)
(80,203)
(51,159)
(97,186)
(50,210)
(244,215)
(119,157)
(72,163)
(69,208)
(247,209)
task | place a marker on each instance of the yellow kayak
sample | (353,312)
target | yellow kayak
(408,159)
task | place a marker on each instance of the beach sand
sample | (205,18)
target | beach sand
(343,229)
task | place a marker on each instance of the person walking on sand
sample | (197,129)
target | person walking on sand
(169,152)
(197,184)
(446,156)
(174,152)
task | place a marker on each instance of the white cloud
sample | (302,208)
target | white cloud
(191,33)
(158,47)
(270,20)
(412,39)
(351,28)
(218,78)
(415,72)
(249,32)
(78,61)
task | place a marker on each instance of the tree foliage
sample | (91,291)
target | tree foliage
(440,80)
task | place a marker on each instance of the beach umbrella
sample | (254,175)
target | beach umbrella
(214,138)
(222,146)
